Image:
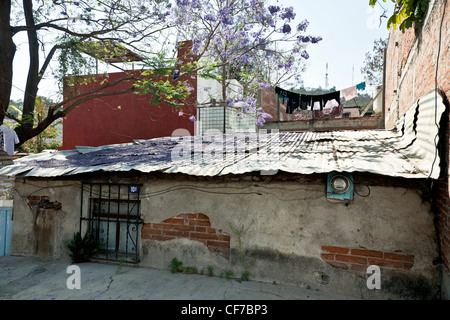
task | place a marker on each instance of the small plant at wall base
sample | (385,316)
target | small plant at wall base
(175,265)
(82,248)
(210,271)
(240,233)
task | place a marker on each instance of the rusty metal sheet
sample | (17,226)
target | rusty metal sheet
(409,152)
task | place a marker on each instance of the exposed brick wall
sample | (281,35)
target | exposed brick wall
(194,226)
(358,259)
(412,60)
(43,202)
(46,228)
(269,105)
(408,81)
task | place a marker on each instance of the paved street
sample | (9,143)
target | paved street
(29,278)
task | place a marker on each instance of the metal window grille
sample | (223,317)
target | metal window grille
(111,213)
(224,120)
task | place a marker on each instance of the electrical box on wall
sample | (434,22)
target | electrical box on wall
(340,186)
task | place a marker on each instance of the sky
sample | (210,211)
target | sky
(348,28)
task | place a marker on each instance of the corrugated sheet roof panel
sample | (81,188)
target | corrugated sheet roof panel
(409,152)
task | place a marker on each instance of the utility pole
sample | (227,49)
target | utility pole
(326,78)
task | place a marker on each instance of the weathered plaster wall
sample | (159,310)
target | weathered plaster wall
(279,231)
(46,213)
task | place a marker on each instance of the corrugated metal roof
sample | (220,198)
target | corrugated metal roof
(407,152)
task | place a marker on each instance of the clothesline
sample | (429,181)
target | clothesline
(295,100)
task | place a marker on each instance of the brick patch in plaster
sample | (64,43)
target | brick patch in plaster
(194,226)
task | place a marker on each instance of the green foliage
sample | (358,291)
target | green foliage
(82,248)
(407,13)
(71,59)
(189,270)
(227,274)
(210,272)
(158,83)
(47,138)
(175,265)
(373,63)
(245,276)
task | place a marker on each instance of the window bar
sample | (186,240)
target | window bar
(133,225)
(90,226)
(99,204)
(117,222)
(81,206)
(90,220)
(128,216)
(107,220)
(137,225)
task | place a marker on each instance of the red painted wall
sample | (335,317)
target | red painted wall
(125,117)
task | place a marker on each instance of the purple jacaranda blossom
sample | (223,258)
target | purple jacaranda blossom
(302,26)
(288,14)
(192,118)
(303,39)
(304,55)
(273,9)
(264,85)
(209,17)
(195,4)
(227,20)
(180,113)
(183,2)
(286,28)
(225,15)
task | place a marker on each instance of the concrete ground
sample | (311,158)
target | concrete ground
(31,278)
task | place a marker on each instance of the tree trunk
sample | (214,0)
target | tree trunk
(33,71)
(7,52)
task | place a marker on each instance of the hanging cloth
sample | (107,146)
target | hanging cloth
(317,102)
(332,95)
(305,101)
(350,93)
(10,139)
(282,94)
(293,102)
(361,86)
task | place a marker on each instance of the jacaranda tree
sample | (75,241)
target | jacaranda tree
(251,41)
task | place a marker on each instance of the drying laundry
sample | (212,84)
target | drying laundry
(282,94)
(305,102)
(332,96)
(350,93)
(10,139)
(293,102)
(361,86)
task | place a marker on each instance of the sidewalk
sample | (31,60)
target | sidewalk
(30,278)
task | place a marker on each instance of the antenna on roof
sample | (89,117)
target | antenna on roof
(326,78)
(353,75)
